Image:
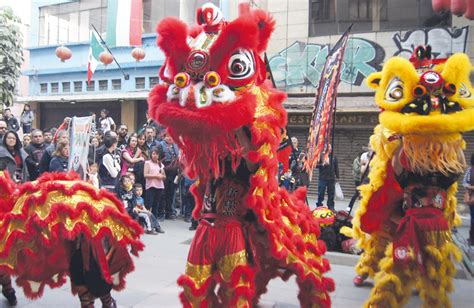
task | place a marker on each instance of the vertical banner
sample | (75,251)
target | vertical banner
(79,134)
(320,130)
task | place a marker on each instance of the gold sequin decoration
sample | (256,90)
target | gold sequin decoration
(228,263)
(198,273)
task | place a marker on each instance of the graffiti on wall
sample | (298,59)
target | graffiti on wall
(443,41)
(301,63)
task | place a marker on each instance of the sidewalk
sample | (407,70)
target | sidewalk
(153,283)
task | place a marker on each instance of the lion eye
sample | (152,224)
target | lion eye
(241,65)
(394,90)
(464,91)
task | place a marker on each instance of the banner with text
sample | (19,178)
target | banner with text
(79,134)
(320,130)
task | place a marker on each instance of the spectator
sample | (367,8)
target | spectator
(122,136)
(468,184)
(170,161)
(154,173)
(131,155)
(26,118)
(297,159)
(152,226)
(356,170)
(60,158)
(109,166)
(12,122)
(12,157)
(48,137)
(364,164)
(106,122)
(3,129)
(93,175)
(26,140)
(126,194)
(93,146)
(48,152)
(100,136)
(150,138)
(188,199)
(35,151)
(138,167)
(328,174)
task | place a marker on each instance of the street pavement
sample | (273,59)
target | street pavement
(153,283)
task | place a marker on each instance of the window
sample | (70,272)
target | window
(116,84)
(332,17)
(91,86)
(77,86)
(43,88)
(140,83)
(322,10)
(54,87)
(66,86)
(69,22)
(103,85)
(154,81)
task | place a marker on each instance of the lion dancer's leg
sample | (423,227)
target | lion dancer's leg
(393,284)
(7,289)
(198,282)
(374,251)
(237,275)
(437,282)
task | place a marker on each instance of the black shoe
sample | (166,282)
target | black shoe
(187,219)
(10,296)
(171,217)
(192,228)
(159,230)
(152,232)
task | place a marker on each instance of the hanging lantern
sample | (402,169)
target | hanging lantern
(63,53)
(106,58)
(138,53)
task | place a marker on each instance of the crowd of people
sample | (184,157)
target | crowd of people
(142,168)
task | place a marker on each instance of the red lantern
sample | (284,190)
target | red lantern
(63,53)
(106,58)
(138,53)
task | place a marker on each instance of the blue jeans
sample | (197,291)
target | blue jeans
(328,185)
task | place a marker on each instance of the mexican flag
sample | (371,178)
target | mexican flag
(95,49)
(124,22)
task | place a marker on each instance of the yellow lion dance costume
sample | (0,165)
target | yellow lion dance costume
(408,208)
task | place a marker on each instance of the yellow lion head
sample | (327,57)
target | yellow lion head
(436,102)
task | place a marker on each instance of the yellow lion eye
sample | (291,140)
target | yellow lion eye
(394,90)
(181,80)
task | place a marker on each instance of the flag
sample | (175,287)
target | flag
(320,130)
(79,134)
(124,22)
(95,50)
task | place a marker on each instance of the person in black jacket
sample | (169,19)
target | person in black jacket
(328,174)
(35,151)
(12,122)
(13,157)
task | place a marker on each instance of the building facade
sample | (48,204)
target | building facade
(305,32)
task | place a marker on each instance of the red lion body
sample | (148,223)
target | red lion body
(227,121)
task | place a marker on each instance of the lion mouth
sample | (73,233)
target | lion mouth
(425,105)
(200,95)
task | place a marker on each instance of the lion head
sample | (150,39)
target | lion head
(210,76)
(429,109)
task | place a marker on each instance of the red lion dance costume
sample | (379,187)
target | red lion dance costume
(59,226)
(228,122)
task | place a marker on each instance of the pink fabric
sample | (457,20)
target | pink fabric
(155,169)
